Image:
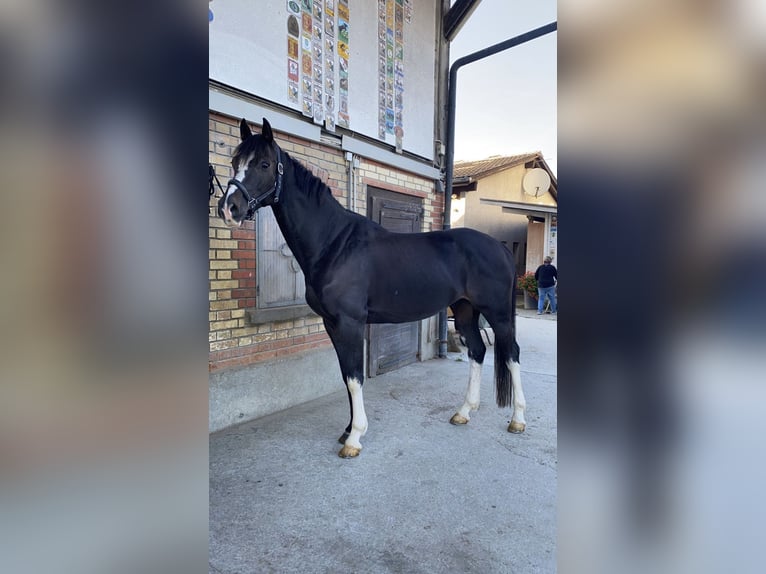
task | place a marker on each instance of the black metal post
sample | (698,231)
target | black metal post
(452,98)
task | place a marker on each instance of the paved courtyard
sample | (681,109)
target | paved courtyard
(423,497)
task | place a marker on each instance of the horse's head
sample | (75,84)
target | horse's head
(257,181)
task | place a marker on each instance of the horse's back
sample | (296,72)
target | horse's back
(482,251)
(439,253)
(417,274)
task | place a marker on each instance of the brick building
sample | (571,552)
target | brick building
(489,195)
(365,119)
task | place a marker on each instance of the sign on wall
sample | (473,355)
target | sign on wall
(394,16)
(366,66)
(317,59)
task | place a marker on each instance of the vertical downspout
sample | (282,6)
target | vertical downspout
(351,185)
(547,238)
(450,157)
(440,119)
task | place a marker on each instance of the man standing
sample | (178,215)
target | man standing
(547,277)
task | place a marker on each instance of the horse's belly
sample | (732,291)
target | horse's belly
(401,303)
(400,316)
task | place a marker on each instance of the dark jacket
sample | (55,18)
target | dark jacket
(546,276)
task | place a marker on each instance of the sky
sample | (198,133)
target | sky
(506,103)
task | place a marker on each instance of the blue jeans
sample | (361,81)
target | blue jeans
(543,292)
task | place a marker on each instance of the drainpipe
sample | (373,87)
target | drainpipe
(450,158)
(351,163)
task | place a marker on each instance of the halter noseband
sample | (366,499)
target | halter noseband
(254,203)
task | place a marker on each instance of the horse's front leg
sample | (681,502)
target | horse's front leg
(348,339)
(352,446)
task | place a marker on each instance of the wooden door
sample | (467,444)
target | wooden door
(393,346)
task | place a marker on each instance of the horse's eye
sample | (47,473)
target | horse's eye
(265,165)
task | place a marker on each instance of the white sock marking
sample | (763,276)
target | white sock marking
(471,402)
(359,418)
(519,403)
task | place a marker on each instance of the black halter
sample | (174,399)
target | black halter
(254,203)
(212,177)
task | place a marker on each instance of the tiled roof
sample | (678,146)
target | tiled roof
(465,173)
(480,168)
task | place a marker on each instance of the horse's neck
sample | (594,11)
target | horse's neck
(309,221)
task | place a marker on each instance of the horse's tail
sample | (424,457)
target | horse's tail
(506,348)
(503,386)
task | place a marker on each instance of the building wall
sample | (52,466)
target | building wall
(242,27)
(260,368)
(232,256)
(508,228)
(492,220)
(506,186)
(379,175)
(535,245)
(233,341)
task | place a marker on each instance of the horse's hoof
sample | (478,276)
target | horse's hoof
(458,419)
(349,451)
(516,427)
(343,437)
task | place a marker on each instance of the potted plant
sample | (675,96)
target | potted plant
(528,284)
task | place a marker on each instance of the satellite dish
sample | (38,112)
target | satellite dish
(536,182)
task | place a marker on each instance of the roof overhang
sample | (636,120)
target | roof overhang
(457,15)
(464,184)
(521,208)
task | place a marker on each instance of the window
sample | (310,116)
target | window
(280,285)
(280,279)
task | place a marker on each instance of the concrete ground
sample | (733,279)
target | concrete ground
(423,497)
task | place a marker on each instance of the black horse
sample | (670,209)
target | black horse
(358,273)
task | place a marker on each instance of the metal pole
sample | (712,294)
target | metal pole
(452,98)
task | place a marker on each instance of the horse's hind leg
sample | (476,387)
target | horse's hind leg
(518,424)
(507,370)
(467,324)
(347,431)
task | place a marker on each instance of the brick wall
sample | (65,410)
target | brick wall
(232,252)
(384,177)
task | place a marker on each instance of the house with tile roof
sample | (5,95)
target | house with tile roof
(490,195)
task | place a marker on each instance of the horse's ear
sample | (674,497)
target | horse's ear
(266,131)
(244,130)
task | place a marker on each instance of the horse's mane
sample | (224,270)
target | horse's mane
(309,183)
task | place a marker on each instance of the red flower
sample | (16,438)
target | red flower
(528,284)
